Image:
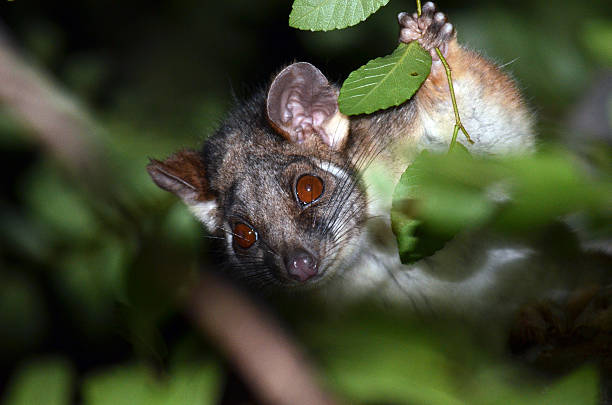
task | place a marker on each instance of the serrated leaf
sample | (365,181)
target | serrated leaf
(385,82)
(325,15)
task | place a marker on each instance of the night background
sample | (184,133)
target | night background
(93,266)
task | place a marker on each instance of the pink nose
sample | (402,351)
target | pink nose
(301,265)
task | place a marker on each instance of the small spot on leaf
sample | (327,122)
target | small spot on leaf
(385,82)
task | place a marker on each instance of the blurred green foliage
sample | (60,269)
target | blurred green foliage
(440,195)
(43,381)
(93,280)
(596,37)
(391,359)
(50,381)
(135,385)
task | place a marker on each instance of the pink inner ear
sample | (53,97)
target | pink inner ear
(297,118)
(319,117)
(300,101)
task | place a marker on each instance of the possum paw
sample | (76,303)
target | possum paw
(431,29)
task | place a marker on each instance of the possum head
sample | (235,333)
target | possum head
(275,183)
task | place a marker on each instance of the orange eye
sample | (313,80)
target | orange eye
(308,189)
(244,235)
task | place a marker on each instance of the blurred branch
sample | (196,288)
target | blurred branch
(56,120)
(265,356)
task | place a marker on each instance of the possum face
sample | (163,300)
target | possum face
(275,185)
(291,220)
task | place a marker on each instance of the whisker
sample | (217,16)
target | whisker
(212,237)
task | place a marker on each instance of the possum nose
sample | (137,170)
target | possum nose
(301,265)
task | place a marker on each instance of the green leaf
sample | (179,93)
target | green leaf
(431,205)
(580,387)
(402,360)
(325,15)
(398,361)
(47,381)
(596,38)
(385,82)
(403,222)
(136,385)
(441,195)
(59,204)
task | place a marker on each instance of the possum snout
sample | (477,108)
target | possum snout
(301,265)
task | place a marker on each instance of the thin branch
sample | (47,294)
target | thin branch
(458,124)
(272,365)
(54,118)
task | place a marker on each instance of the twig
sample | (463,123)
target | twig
(274,368)
(458,124)
(55,118)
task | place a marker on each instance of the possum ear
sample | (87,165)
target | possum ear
(184,174)
(301,104)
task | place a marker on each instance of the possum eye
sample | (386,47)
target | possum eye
(244,235)
(308,189)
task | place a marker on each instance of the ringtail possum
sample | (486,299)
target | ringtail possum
(287,182)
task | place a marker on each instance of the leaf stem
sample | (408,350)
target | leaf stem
(454,139)
(458,124)
(418,7)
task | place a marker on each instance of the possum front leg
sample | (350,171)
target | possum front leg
(490,105)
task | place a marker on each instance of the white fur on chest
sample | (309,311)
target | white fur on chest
(467,277)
